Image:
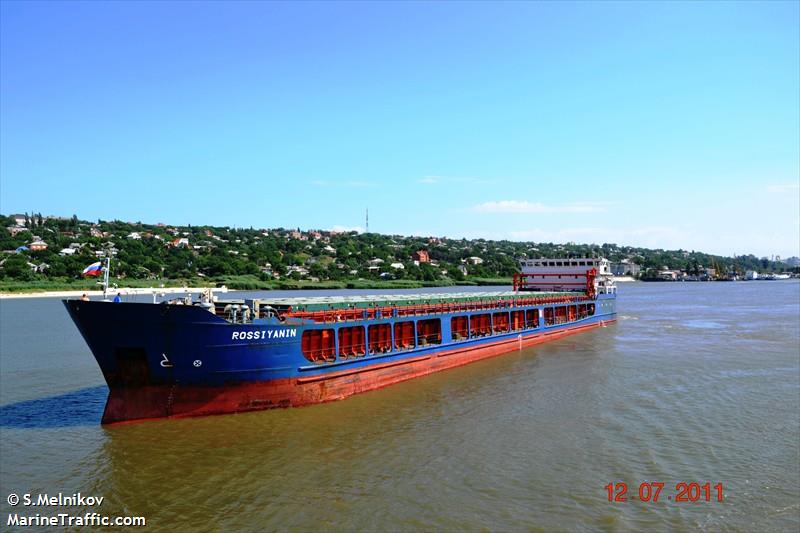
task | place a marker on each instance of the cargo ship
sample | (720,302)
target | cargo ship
(204,356)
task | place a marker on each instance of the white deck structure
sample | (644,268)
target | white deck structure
(567,274)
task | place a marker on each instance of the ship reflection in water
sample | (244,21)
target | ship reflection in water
(78,408)
(696,382)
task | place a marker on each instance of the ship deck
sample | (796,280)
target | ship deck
(324,303)
(368,307)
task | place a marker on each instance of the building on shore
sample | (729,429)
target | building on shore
(669,275)
(625,268)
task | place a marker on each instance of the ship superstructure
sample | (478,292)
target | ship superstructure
(590,275)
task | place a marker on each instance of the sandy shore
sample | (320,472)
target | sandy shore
(111,293)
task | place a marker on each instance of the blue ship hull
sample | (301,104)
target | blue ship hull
(181,360)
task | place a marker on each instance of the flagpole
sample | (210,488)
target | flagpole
(105,278)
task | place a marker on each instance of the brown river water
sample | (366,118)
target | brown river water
(697,382)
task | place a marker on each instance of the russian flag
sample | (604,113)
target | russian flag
(95,269)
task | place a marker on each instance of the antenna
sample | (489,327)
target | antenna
(367,220)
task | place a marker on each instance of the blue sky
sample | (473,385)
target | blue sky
(673,125)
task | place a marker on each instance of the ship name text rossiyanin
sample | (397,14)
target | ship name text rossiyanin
(285,333)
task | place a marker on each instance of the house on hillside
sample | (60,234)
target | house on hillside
(421,256)
(301,271)
(41,267)
(14,230)
(109,251)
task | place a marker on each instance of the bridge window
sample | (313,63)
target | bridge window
(318,345)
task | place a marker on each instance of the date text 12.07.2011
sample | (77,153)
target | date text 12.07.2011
(652,491)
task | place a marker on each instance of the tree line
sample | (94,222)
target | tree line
(158,252)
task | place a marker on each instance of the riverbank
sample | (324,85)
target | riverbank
(244,283)
(111,293)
